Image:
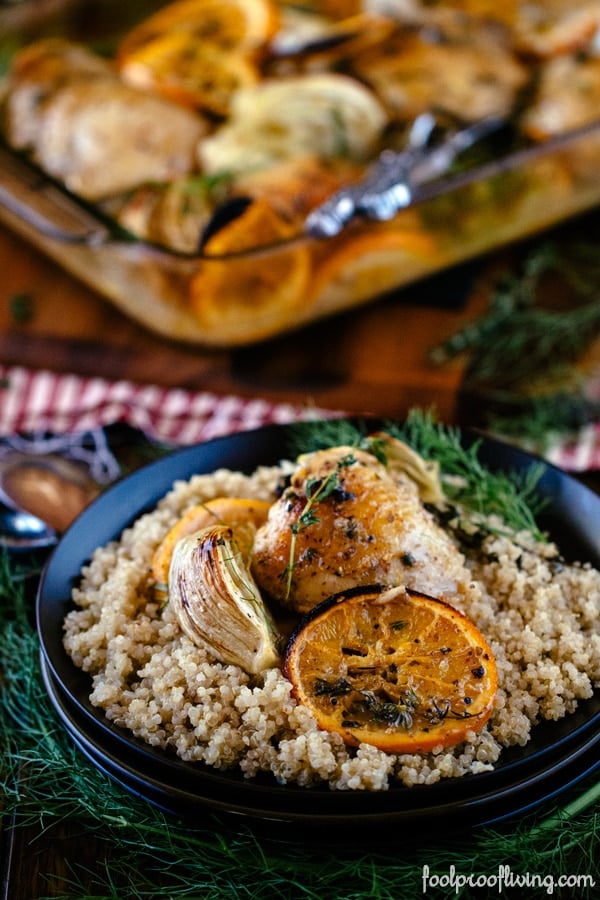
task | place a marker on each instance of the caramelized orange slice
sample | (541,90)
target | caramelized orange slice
(254,295)
(363,265)
(237,512)
(393,668)
(176,65)
(199,52)
(336,8)
(230,24)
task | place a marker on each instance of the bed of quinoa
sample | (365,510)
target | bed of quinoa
(539,615)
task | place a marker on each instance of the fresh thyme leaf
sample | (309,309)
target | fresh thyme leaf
(21,308)
(524,374)
(318,489)
(213,187)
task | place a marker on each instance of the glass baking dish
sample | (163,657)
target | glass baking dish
(258,287)
(516,198)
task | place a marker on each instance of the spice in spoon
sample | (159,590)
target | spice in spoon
(51,488)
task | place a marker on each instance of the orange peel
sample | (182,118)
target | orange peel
(254,294)
(393,668)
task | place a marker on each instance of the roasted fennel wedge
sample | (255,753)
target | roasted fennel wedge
(217,601)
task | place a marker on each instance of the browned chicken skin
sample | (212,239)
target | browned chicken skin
(82,125)
(470,77)
(371,527)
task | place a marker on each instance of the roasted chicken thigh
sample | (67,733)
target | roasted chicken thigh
(345,520)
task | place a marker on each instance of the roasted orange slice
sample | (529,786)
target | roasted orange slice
(236,512)
(393,668)
(199,52)
(242,25)
(255,294)
(364,264)
(177,66)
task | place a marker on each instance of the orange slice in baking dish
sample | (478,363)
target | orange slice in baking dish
(393,668)
(256,294)
(199,52)
(229,24)
(365,264)
(194,74)
(243,515)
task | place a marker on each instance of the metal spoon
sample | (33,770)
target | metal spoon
(41,495)
(22,531)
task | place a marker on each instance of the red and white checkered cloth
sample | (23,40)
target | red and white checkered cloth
(43,401)
(580,453)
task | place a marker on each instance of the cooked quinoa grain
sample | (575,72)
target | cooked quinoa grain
(539,615)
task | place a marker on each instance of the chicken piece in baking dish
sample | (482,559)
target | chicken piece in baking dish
(83,126)
(468,77)
(36,74)
(567,97)
(541,28)
(102,138)
(346,520)
(548,28)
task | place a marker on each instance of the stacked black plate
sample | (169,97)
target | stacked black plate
(559,755)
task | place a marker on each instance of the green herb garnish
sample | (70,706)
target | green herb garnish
(21,308)
(512,496)
(395,714)
(317,490)
(524,375)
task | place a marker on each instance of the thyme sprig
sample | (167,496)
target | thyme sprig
(520,335)
(387,712)
(316,491)
(524,374)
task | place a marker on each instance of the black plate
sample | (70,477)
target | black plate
(572,517)
(491,803)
